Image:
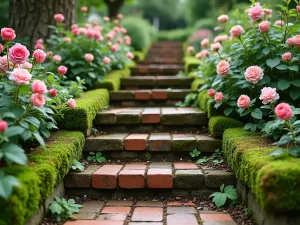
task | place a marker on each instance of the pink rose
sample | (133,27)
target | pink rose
(18,54)
(67,39)
(57,58)
(59,17)
(97,35)
(268,95)
(199,55)
(119,40)
(128,42)
(216,47)
(219,97)
(243,101)
(38,99)
(84,9)
(110,36)
(106,19)
(82,31)
(8,34)
(26,65)
(279,23)
(89,57)
(109,43)
(39,56)
(90,33)
(223,68)
(256,12)
(20,76)
(211,92)
(264,26)
(62,70)
(116,22)
(123,30)
(296,40)
(237,31)
(254,74)
(130,55)
(72,103)
(88,26)
(205,42)
(4,64)
(204,53)
(115,48)
(53,92)
(106,60)
(190,49)
(290,42)
(221,38)
(39,87)
(286,56)
(284,111)
(223,18)
(40,41)
(1,48)
(74,26)
(3,126)
(120,16)
(268,12)
(298,8)
(38,46)
(75,31)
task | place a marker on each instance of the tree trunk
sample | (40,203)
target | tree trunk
(113,7)
(31,18)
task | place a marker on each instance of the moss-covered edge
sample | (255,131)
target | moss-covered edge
(218,124)
(139,56)
(46,168)
(81,118)
(190,63)
(274,182)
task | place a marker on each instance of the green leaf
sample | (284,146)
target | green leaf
(39,138)
(257,114)
(278,152)
(266,50)
(294,68)
(295,151)
(282,67)
(55,208)
(283,140)
(273,62)
(32,120)
(220,199)
(13,131)
(231,192)
(294,93)
(296,82)
(228,111)
(222,188)
(283,84)
(14,154)
(7,182)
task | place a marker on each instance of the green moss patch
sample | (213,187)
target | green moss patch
(139,56)
(274,182)
(81,118)
(218,124)
(196,84)
(46,168)
(203,100)
(190,63)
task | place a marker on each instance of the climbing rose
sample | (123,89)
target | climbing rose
(198,55)
(279,23)
(4,65)
(84,9)
(57,58)
(8,34)
(40,41)
(219,97)
(256,12)
(130,55)
(223,18)
(59,17)
(106,60)
(216,47)
(62,70)
(204,53)
(284,111)
(290,42)
(223,68)
(116,22)
(123,30)
(254,74)
(3,126)
(52,92)
(90,33)
(264,26)
(89,57)
(39,87)
(243,101)
(211,92)
(18,54)
(296,40)
(237,31)
(205,42)
(72,103)
(190,49)
(268,95)
(37,99)
(75,31)
(1,48)
(26,65)
(286,56)
(39,56)
(20,76)
(268,12)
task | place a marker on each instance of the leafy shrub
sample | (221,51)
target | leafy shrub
(191,100)
(175,35)
(220,198)
(206,23)
(64,209)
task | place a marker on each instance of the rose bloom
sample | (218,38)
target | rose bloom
(18,54)
(221,38)
(75,31)
(190,49)
(109,43)
(119,40)
(8,34)
(256,12)
(286,56)
(26,65)
(223,68)
(205,42)
(284,111)
(87,25)
(120,16)
(223,18)
(297,40)
(106,60)
(254,74)
(123,30)
(116,22)
(89,57)
(216,47)
(279,23)
(39,56)
(52,92)
(237,31)
(268,12)
(128,42)
(38,46)
(264,26)
(4,65)
(39,87)
(90,33)
(82,30)
(3,126)
(57,58)
(40,41)
(72,103)
(97,35)
(199,55)
(211,92)
(106,19)
(219,97)
(115,48)
(62,70)
(1,48)
(59,17)
(290,42)
(67,39)
(204,53)
(130,55)
(110,36)
(243,101)
(84,9)
(74,26)
(38,99)
(298,8)
(20,76)
(268,95)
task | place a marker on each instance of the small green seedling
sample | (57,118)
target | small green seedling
(195,153)
(220,198)
(96,157)
(77,166)
(63,209)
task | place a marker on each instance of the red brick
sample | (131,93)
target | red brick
(106,177)
(182,219)
(128,103)
(94,222)
(159,94)
(159,178)
(185,166)
(145,223)
(132,179)
(160,142)
(142,94)
(178,203)
(135,166)
(147,214)
(143,69)
(116,217)
(216,217)
(116,210)
(151,115)
(136,142)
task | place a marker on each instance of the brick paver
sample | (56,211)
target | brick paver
(136,142)
(106,177)
(178,203)
(160,142)
(159,94)
(115,217)
(92,206)
(182,219)
(80,179)
(216,217)
(94,222)
(131,179)
(181,210)
(106,142)
(159,178)
(142,94)
(116,210)
(185,166)
(147,214)
(119,203)
(151,116)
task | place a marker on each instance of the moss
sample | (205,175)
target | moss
(192,74)
(190,63)
(203,100)
(139,56)
(82,117)
(196,84)
(218,124)
(46,168)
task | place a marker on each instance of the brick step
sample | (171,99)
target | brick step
(156,81)
(152,142)
(157,69)
(185,177)
(161,61)
(167,44)
(166,51)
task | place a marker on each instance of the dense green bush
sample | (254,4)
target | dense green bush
(207,23)
(175,35)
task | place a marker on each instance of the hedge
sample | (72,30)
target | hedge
(46,168)
(81,118)
(190,63)
(274,182)
(218,124)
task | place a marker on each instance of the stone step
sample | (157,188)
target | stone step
(156,81)
(161,61)
(167,44)
(184,176)
(152,142)
(157,69)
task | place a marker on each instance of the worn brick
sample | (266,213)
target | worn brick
(160,165)
(135,166)
(182,219)
(159,94)
(92,206)
(106,142)
(114,217)
(159,178)
(107,116)
(116,210)
(80,179)
(185,166)
(216,217)
(94,222)
(132,179)
(147,214)
(181,116)
(181,210)
(183,142)
(136,142)
(142,95)
(160,142)
(215,178)
(119,203)
(151,116)
(136,81)
(121,95)
(150,204)
(179,94)
(188,179)
(132,116)
(106,177)
(207,144)
(85,215)
(179,203)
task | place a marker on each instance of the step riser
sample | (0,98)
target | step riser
(170,103)
(159,69)
(152,82)
(160,62)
